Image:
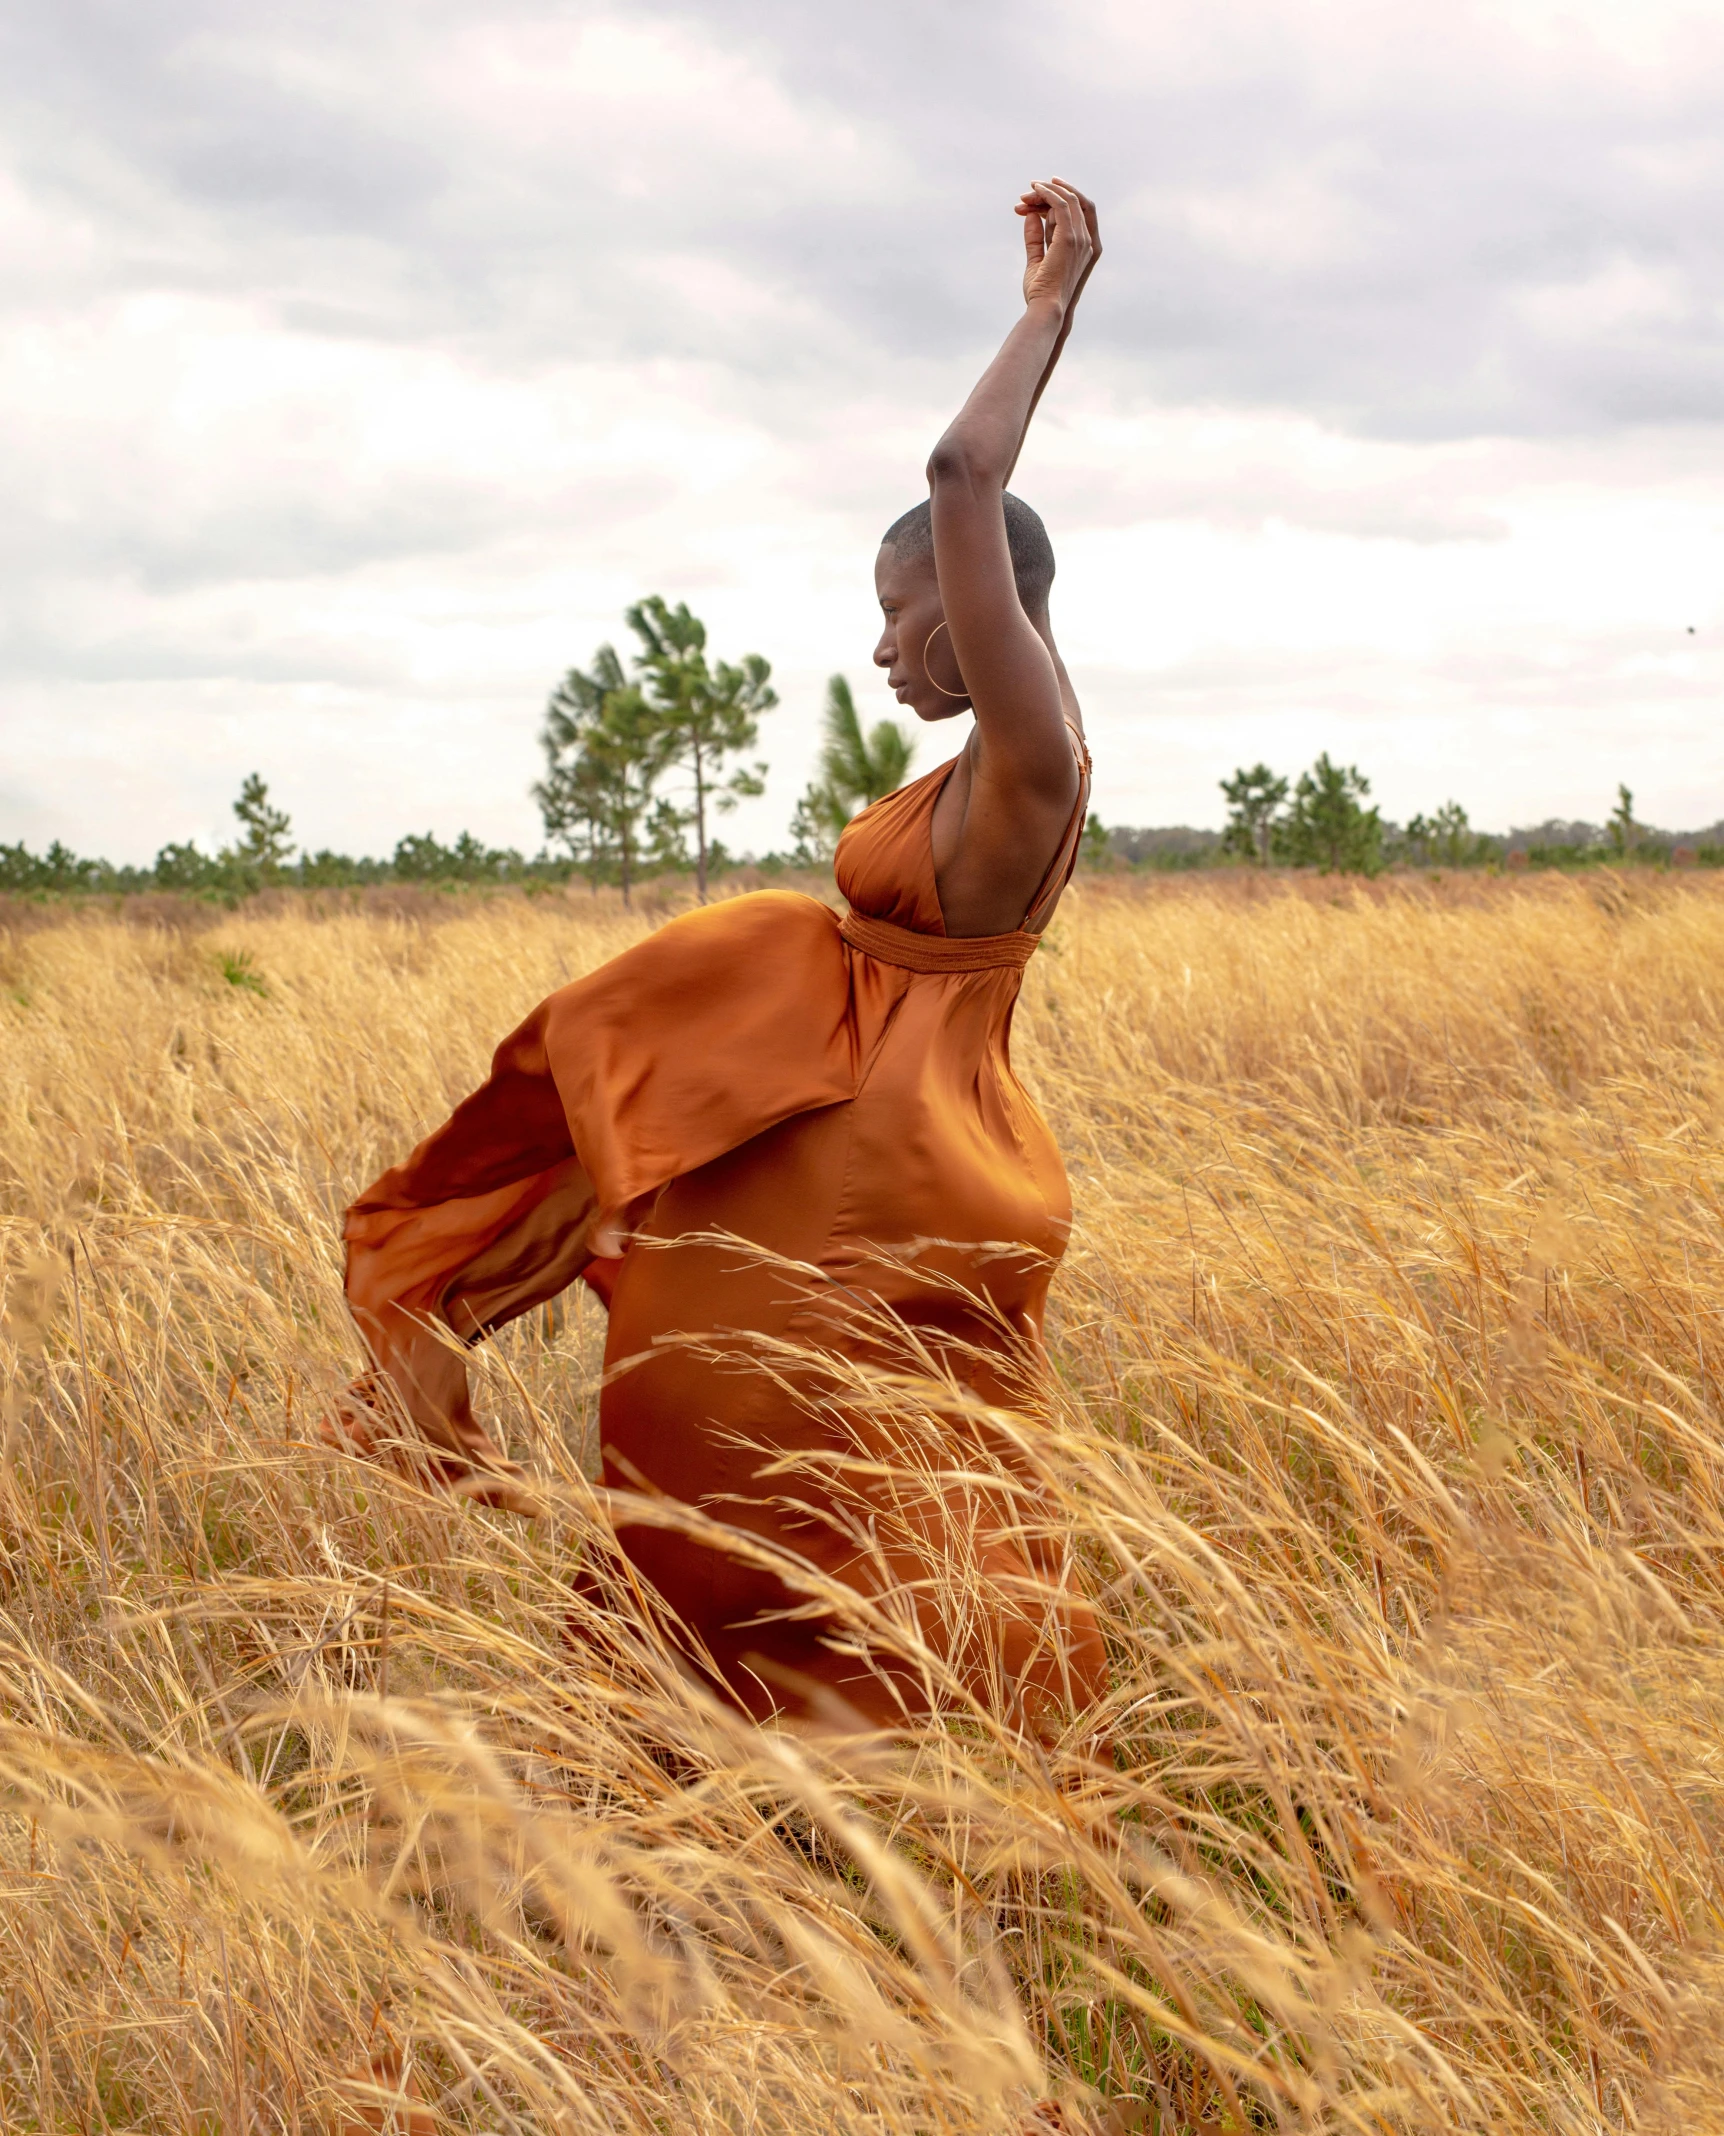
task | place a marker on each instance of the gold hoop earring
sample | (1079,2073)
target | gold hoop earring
(929,672)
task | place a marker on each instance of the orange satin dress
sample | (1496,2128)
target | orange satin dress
(828,1167)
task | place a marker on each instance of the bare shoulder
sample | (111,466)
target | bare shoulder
(997,833)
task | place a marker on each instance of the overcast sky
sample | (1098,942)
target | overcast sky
(359,364)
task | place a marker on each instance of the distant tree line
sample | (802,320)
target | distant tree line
(644,755)
(1325,821)
(640,762)
(262,858)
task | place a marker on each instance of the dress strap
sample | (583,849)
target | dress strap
(1065,860)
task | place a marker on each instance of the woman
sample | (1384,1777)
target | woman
(788,1149)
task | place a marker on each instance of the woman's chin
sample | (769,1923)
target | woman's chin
(947,708)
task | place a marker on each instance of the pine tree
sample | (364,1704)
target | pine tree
(604,751)
(1452,837)
(1328,825)
(267,837)
(1625,833)
(1253,797)
(702,714)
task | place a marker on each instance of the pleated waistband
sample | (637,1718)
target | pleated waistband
(913,952)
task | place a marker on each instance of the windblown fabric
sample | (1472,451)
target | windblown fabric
(825,1165)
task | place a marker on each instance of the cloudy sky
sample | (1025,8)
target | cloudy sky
(359,364)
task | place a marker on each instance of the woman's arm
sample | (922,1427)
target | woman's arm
(1021,781)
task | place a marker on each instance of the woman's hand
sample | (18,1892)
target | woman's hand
(1062,243)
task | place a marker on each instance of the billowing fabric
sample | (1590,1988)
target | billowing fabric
(825,1163)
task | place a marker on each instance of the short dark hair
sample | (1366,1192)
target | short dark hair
(1031,551)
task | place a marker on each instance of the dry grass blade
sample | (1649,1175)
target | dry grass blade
(1386,1431)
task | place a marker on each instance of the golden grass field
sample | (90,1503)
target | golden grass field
(1389,1344)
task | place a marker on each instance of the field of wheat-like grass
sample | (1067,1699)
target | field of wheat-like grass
(1391,1375)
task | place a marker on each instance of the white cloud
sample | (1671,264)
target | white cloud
(357,367)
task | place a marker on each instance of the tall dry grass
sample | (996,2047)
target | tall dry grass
(1389,1349)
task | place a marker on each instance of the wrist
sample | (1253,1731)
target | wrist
(1048,309)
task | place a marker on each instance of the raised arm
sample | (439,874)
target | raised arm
(1002,815)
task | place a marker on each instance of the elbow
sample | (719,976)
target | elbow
(953,464)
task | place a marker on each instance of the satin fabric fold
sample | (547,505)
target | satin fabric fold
(827,1167)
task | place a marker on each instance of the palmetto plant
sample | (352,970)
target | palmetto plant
(855,769)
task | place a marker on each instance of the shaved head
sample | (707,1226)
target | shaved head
(1031,551)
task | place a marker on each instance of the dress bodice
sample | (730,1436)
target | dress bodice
(832,1095)
(885,859)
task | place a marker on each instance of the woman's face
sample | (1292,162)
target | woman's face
(910,603)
